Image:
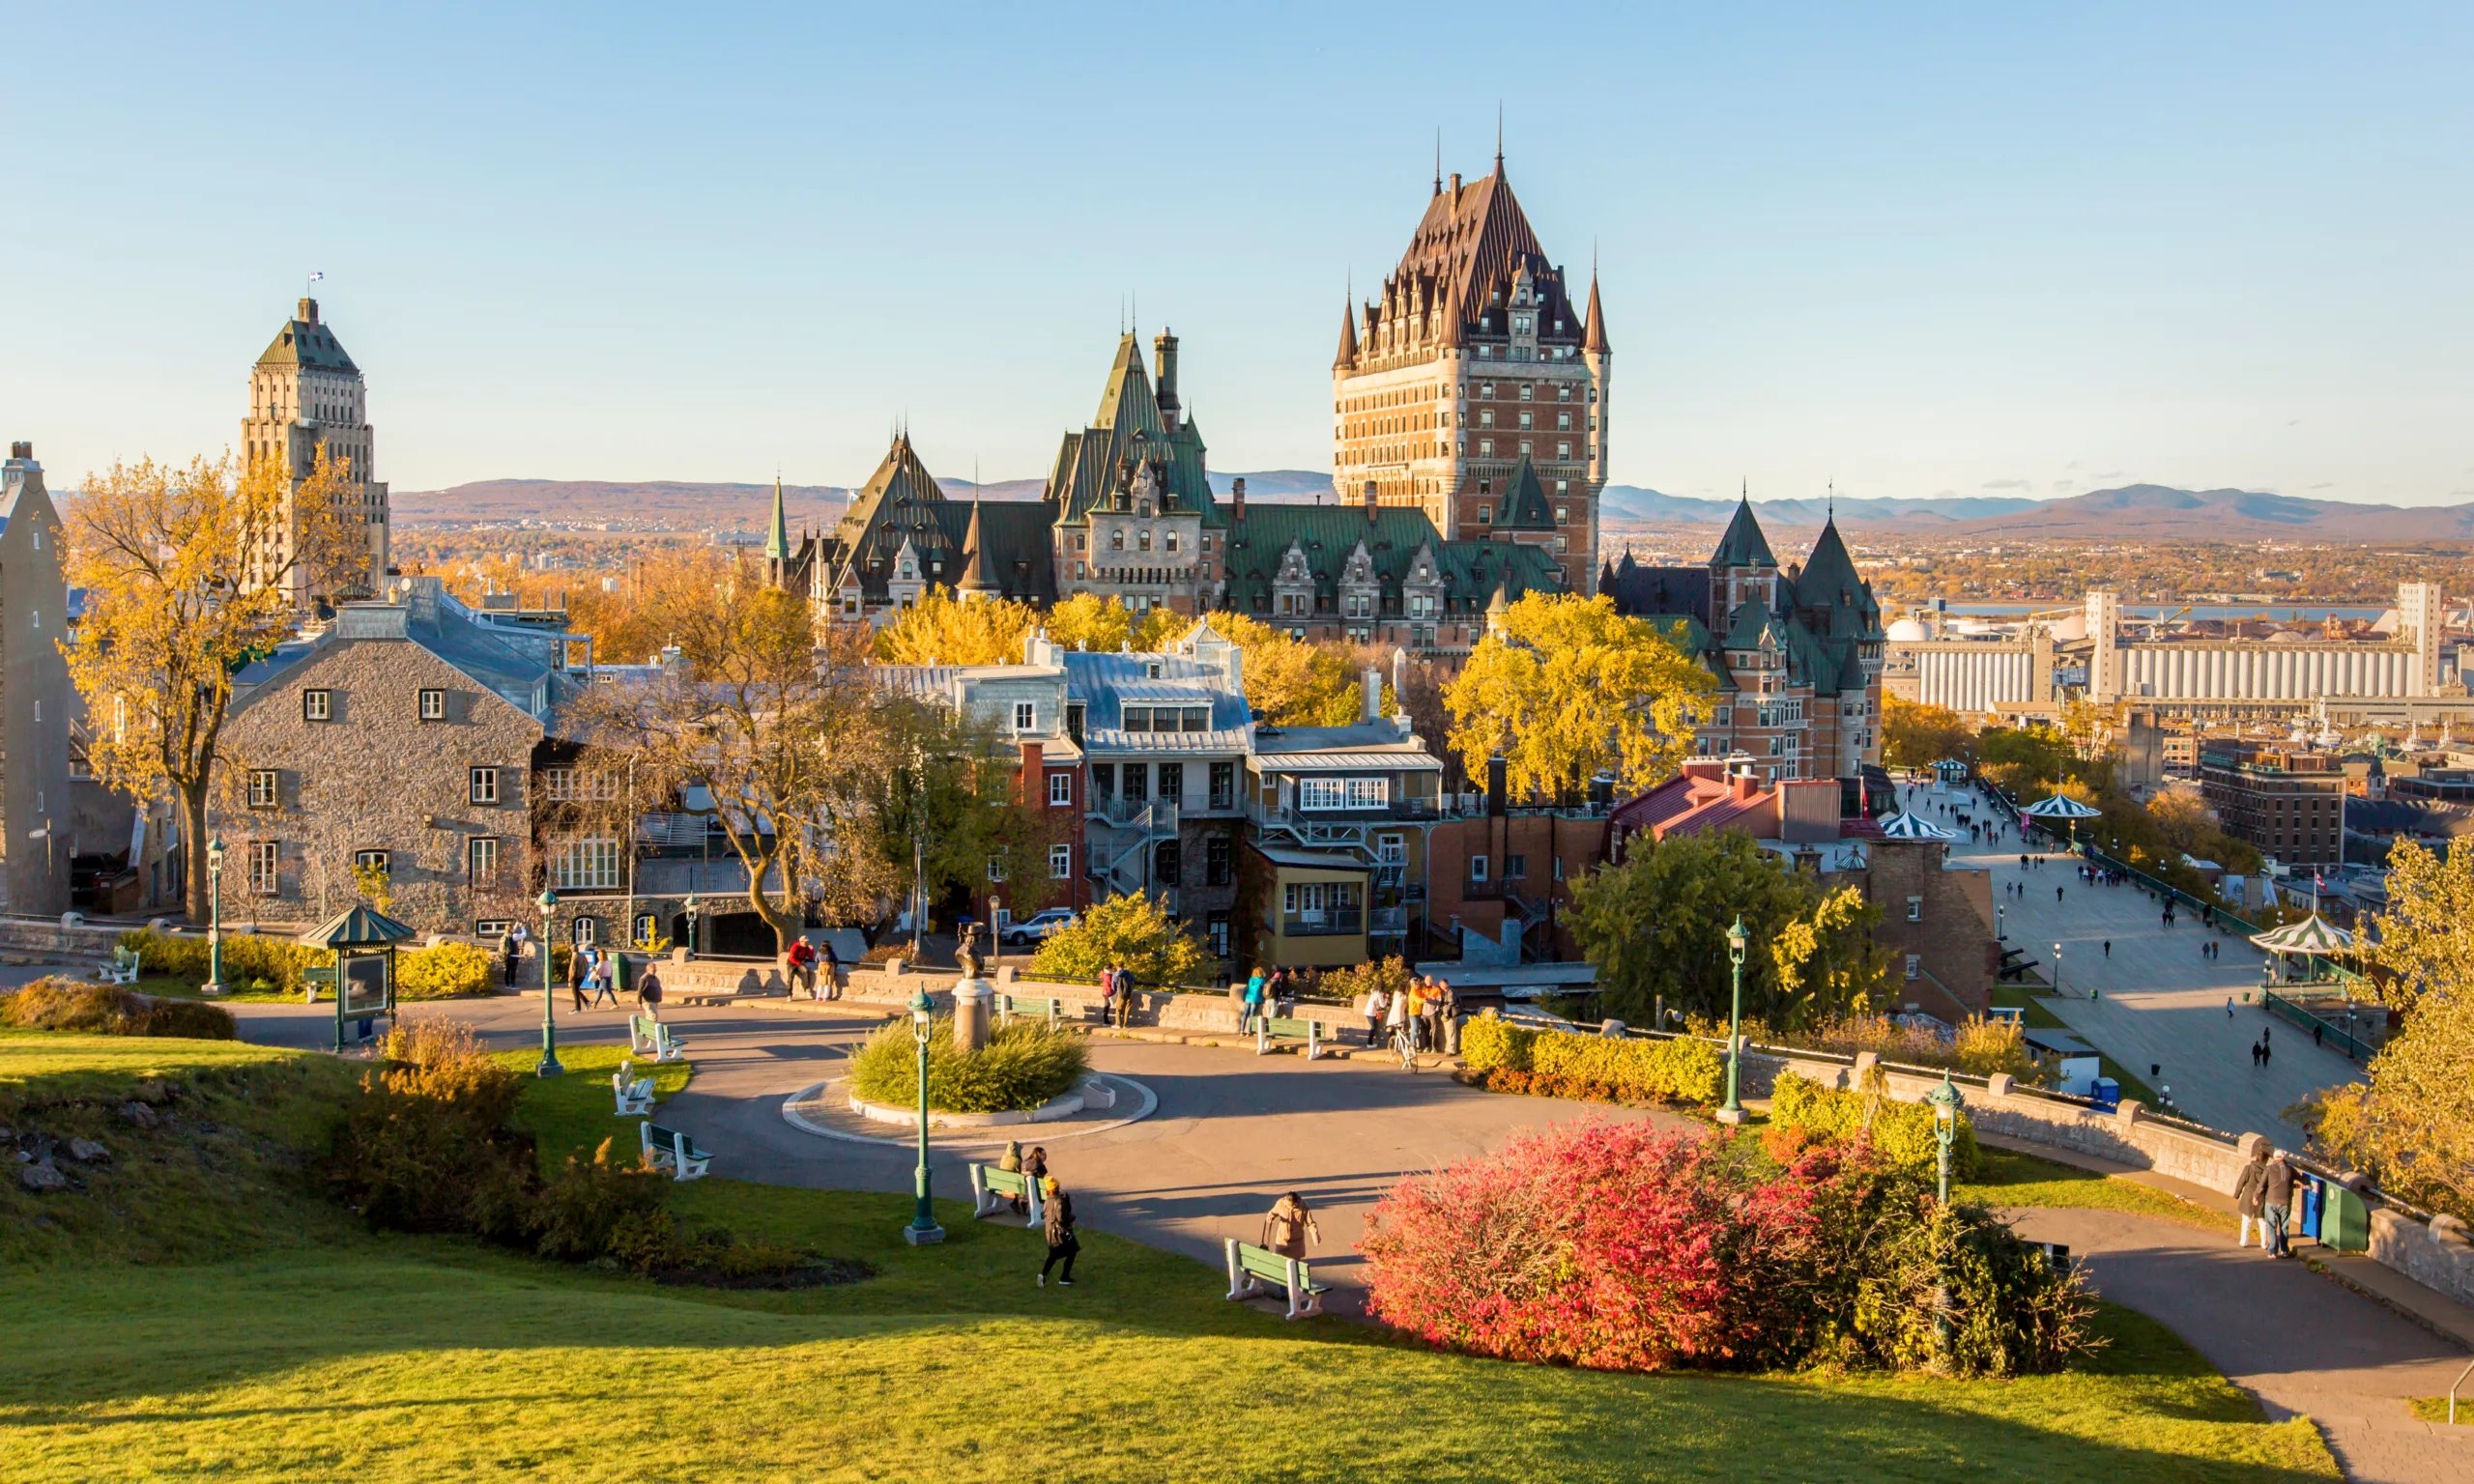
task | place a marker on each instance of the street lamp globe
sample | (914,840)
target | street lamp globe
(548,1066)
(1945,1100)
(923,1013)
(1736,940)
(214,856)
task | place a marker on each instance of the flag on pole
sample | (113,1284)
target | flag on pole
(315,276)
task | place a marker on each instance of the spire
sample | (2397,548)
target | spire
(777,539)
(1438,159)
(1348,355)
(1593,338)
(1744,545)
(975,580)
(1499,138)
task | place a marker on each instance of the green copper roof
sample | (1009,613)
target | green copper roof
(1743,545)
(1525,506)
(307,344)
(777,539)
(1396,539)
(1128,447)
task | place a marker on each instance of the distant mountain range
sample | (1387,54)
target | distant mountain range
(2138,512)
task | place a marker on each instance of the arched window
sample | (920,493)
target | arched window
(1116,540)
(1144,540)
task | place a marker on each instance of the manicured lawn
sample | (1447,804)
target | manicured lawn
(2434,1409)
(334,1353)
(571,1115)
(2023,1179)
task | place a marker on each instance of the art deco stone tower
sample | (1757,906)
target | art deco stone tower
(1474,358)
(306,394)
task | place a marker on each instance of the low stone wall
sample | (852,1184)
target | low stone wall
(2437,1256)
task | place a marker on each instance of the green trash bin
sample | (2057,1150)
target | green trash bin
(623,974)
(2344,1221)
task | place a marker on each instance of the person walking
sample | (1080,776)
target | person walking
(579,973)
(605,980)
(510,950)
(1109,995)
(2056,894)
(831,964)
(2255,1053)
(1127,996)
(517,936)
(2251,1197)
(1289,1226)
(1061,1243)
(2229,1007)
(2278,1202)
(2109,948)
(1372,1007)
(2267,1051)
(649,991)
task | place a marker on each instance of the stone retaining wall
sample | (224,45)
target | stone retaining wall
(2437,1256)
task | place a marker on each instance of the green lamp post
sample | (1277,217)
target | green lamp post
(1733,1111)
(923,1228)
(548,903)
(215,918)
(694,907)
(1945,1100)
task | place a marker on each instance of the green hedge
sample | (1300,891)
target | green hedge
(248,957)
(1025,1063)
(1553,1063)
(1902,1131)
(443,971)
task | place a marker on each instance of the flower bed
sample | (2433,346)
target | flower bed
(1553,1064)
(1025,1063)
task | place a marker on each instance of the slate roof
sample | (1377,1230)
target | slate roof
(1744,545)
(1470,572)
(902,501)
(1102,683)
(305,343)
(1826,619)
(1128,436)
(1467,247)
(1595,339)
(1525,507)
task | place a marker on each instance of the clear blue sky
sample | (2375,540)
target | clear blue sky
(1976,248)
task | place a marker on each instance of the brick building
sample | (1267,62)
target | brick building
(2285,803)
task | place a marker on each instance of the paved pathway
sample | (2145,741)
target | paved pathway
(2160,1004)
(1233,1131)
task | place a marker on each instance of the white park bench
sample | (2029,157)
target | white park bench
(1047,1008)
(668,1149)
(1273,1028)
(991,1188)
(648,1036)
(635,1094)
(122,970)
(1250,1267)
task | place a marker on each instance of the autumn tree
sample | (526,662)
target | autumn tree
(186,574)
(1915,735)
(779,724)
(1655,927)
(1570,688)
(942,628)
(1132,932)
(625,622)
(2411,1123)
(1105,625)
(959,815)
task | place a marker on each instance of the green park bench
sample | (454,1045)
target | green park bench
(1045,1007)
(991,1188)
(635,1094)
(1252,1266)
(648,1036)
(312,977)
(1274,1028)
(668,1149)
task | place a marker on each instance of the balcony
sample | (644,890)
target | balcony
(1151,817)
(1389,922)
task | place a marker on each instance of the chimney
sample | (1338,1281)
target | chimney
(21,450)
(1495,786)
(1455,186)
(1745,787)
(1370,505)
(308,311)
(1373,685)
(1237,499)
(1401,677)
(1165,378)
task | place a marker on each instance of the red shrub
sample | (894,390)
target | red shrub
(1609,1246)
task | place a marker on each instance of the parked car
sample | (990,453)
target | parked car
(1038,926)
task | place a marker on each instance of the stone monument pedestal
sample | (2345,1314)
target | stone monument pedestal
(975,1012)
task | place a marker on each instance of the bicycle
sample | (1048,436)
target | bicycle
(1405,1049)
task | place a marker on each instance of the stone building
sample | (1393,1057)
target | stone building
(1473,361)
(36,700)
(415,737)
(1797,653)
(307,396)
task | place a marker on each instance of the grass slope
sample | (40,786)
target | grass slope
(382,1357)
(2012,1179)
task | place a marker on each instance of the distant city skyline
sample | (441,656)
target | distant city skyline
(1919,254)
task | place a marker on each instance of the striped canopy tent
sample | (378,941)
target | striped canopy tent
(1907,826)
(2063,806)
(361,926)
(2311,935)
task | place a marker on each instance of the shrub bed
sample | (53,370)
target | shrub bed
(1803,1111)
(443,971)
(1553,1064)
(108,1010)
(1620,1248)
(1025,1063)
(249,959)
(427,1147)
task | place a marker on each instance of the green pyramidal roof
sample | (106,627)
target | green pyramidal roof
(1744,545)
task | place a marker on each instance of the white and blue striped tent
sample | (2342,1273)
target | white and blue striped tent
(2061,806)
(1905,826)
(2311,935)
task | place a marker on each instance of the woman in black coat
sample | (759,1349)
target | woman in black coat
(1061,1243)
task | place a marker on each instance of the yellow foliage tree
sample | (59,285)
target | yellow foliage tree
(1915,735)
(941,629)
(1570,688)
(1289,682)
(1105,625)
(187,574)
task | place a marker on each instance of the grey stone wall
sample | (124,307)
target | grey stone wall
(377,776)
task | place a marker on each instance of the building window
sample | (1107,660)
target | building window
(585,932)
(1476,868)
(262,789)
(1215,933)
(433,706)
(370,860)
(493,927)
(317,706)
(1116,540)
(1168,863)
(483,784)
(1223,785)
(590,864)
(1486,447)
(481,860)
(1914,965)
(1060,790)
(1515,867)
(997,867)
(266,860)
(1026,716)
(1915,909)
(1485,515)
(1060,863)
(1216,861)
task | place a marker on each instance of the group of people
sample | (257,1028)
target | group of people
(1425,1010)
(819,973)
(592,974)
(1117,995)
(2262,1048)
(2263,1197)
